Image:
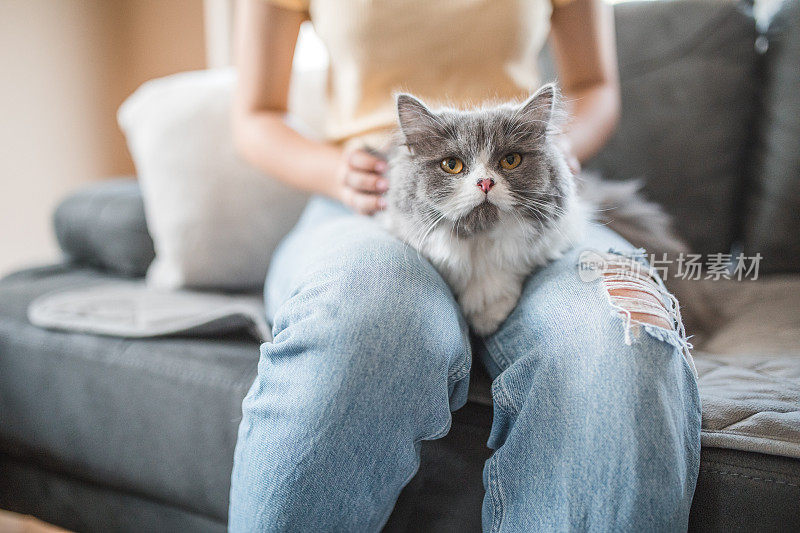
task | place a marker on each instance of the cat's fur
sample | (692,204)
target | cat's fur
(484,244)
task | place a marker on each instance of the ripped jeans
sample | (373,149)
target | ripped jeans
(596,416)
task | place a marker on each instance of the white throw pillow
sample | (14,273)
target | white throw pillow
(214,219)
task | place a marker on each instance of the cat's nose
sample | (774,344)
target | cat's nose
(485,184)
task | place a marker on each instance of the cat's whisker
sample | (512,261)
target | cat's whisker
(429,230)
(543,208)
(542,215)
(554,226)
(553,194)
(535,201)
(429,221)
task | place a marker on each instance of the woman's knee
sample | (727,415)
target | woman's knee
(608,338)
(372,307)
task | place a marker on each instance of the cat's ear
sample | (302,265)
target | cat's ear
(539,109)
(417,122)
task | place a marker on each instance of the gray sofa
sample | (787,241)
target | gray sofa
(110,434)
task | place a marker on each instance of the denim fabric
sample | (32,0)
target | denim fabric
(370,356)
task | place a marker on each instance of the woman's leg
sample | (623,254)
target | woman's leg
(369,356)
(597,415)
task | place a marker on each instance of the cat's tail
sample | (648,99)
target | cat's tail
(621,206)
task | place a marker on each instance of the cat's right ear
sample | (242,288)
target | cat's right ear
(540,108)
(417,122)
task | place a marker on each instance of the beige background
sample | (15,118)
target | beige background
(65,67)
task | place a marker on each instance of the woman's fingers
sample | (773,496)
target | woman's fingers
(366,181)
(362,183)
(361,160)
(366,204)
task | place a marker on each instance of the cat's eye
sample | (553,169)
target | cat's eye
(510,161)
(452,165)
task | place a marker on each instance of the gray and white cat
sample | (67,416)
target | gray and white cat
(486,196)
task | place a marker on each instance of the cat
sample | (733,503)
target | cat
(486,196)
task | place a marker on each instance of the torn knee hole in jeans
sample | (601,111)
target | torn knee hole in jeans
(638,295)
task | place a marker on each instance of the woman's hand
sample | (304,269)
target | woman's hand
(267,36)
(360,181)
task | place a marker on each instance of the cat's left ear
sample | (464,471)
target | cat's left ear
(540,108)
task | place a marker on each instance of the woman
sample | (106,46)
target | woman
(592,430)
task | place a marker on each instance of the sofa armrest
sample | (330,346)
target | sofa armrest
(103,225)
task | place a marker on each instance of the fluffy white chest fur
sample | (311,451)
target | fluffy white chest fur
(486,271)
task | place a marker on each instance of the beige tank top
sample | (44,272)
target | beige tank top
(455,52)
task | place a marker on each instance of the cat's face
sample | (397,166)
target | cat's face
(475,169)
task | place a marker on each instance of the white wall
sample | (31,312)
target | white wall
(65,66)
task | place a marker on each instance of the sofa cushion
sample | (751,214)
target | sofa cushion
(749,367)
(688,73)
(149,416)
(772,223)
(761,316)
(751,402)
(103,225)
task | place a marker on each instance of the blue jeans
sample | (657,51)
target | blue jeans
(370,356)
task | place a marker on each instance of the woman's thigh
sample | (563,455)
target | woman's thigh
(369,356)
(345,283)
(597,414)
(574,301)
(300,249)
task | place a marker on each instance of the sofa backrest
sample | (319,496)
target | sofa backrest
(689,82)
(772,224)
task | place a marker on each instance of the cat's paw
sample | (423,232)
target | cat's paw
(486,320)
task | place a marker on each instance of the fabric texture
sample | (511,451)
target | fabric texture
(772,227)
(756,316)
(153,417)
(214,219)
(744,492)
(103,225)
(689,85)
(371,56)
(76,504)
(750,367)
(133,310)
(344,369)
(751,402)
